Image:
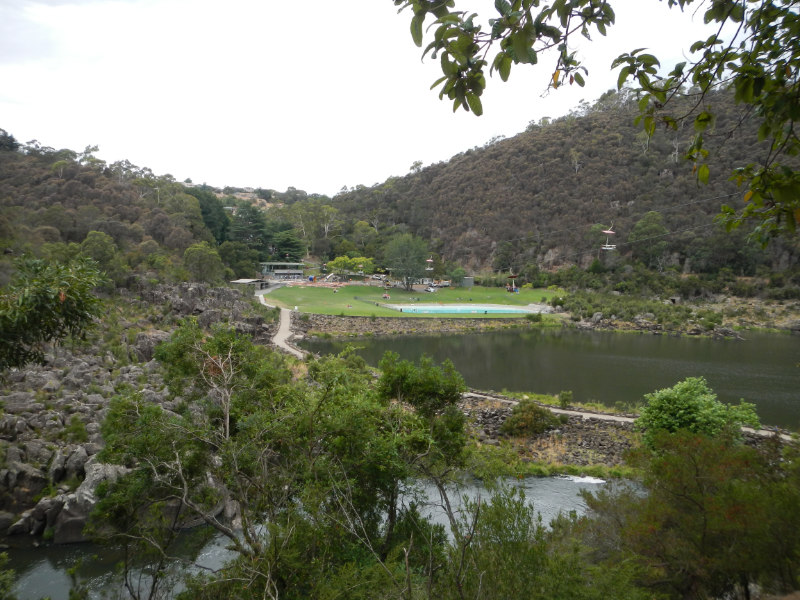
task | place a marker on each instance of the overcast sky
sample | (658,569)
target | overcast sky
(314,94)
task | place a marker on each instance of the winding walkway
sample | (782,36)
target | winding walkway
(281,338)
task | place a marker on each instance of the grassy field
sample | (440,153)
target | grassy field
(362,300)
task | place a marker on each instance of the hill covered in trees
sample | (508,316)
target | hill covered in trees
(539,197)
(533,203)
(61,203)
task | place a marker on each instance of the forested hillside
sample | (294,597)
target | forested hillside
(537,197)
(61,203)
(530,204)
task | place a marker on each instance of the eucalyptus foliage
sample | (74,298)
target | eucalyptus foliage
(709,519)
(45,303)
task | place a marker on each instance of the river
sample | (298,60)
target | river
(43,571)
(610,367)
(603,366)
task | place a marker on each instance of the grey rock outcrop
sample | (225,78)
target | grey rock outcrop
(74,466)
(23,483)
(51,413)
(68,525)
(146,343)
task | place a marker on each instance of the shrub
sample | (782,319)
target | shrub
(691,405)
(528,418)
(710,319)
(565,398)
(427,387)
(76,432)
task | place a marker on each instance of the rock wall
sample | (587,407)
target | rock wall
(309,324)
(577,441)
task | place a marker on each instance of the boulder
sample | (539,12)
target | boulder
(51,385)
(44,513)
(69,524)
(79,376)
(146,343)
(57,468)
(11,426)
(74,466)
(37,452)
(94,400)
(14,454)
(37,379)
(22,525)
(20,402)
(44,419)
(6,520)
(208,317)
(15,376)
(20,483)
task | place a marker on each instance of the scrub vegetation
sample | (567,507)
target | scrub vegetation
(324,468)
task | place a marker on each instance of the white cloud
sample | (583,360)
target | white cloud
(314,95)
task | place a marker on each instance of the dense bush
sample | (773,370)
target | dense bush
(692,406)
(427,387)
(528,418)
(626,308)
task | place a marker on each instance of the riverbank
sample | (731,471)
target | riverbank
(51,414)
(581,441)
(308,325)
(586,441)
(738,316)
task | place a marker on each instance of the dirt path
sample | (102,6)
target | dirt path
(281,338)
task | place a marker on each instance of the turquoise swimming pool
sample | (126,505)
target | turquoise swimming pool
(463,309)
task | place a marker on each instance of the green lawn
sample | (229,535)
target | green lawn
(360,300)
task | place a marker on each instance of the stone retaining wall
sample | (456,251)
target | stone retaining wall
(311,324)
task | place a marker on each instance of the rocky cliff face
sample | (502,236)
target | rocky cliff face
(50,414)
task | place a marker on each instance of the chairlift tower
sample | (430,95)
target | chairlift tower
(608,245)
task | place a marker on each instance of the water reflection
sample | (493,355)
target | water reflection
(611,367)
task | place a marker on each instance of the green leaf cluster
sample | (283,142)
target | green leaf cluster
(424,386)
(753,51)
(316,467)
(45,302)
(528,418)
(692,406)
(520,32)
(710,518)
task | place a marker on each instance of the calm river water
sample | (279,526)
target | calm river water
(610,367)
(43,571)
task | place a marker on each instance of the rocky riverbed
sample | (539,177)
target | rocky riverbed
(577,441)
(50,414)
